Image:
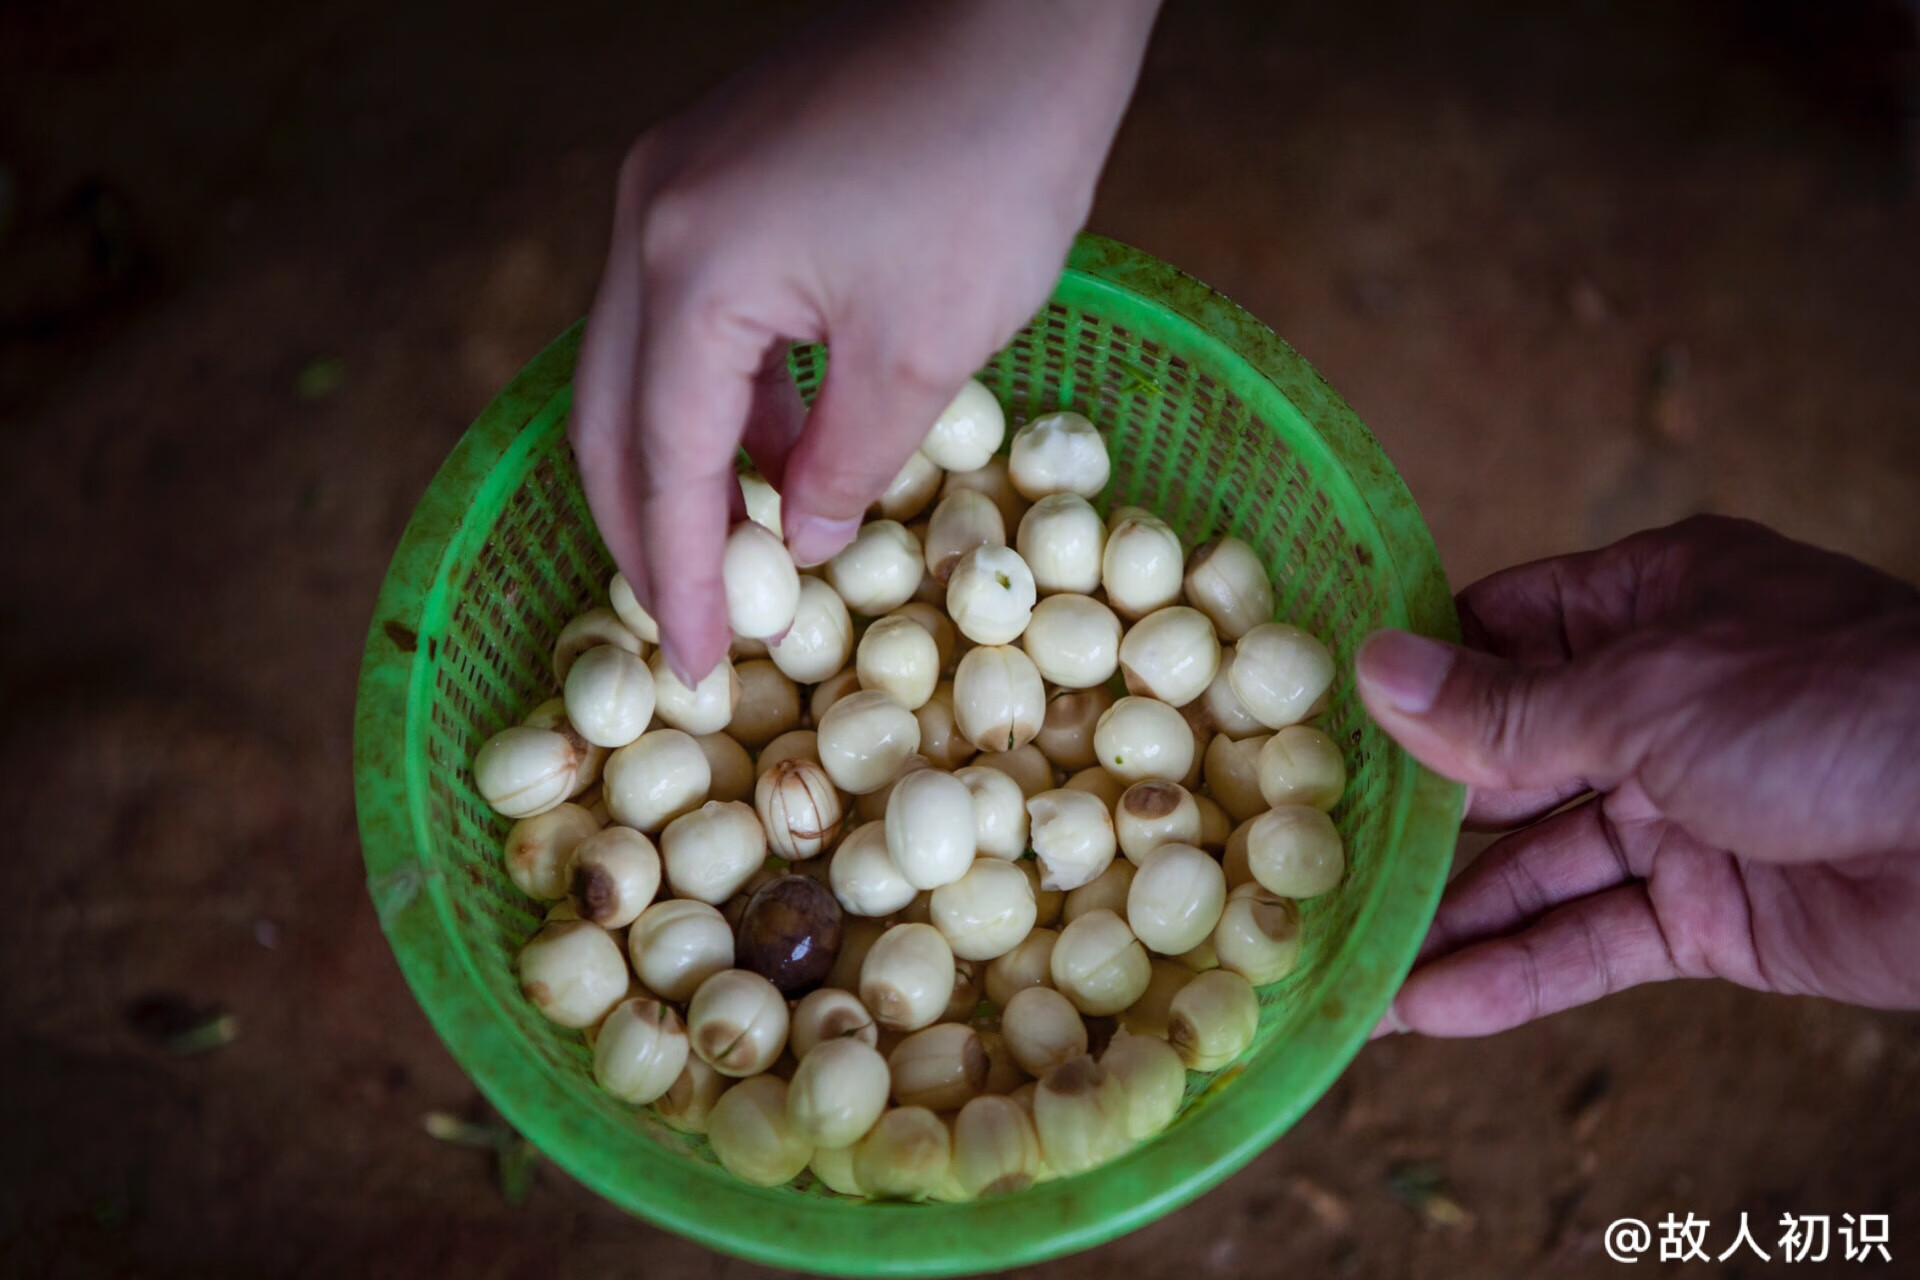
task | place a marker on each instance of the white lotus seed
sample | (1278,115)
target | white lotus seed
(1295,851)
(1176,899)
(968,431)
(1059,453)
(1138,739)
(986,912)
(879,570)
(539,849)
(1072,835)
(737,1022)
(990,595)
(820,640)
(1171,654)
(898,656)
(1141,566)
(711,853)
(678,944)
(1074,641)
(761,585)
(1279,672)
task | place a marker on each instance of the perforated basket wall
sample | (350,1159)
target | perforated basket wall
(1214,424)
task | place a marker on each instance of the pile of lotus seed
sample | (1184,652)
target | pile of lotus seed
(979,841)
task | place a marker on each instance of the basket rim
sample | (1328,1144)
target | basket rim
(771,1226)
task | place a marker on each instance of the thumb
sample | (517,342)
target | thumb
(871,414)
(1488,722)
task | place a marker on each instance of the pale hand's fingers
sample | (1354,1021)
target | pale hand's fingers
(695,383)
(602,426)
(775,418)
(1523,876)
(1572,956)
(873,411)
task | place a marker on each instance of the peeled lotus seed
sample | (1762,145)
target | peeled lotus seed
(898,656)
(1258,936)
(640,1051)
(1212,1019)
(990,595)
(572,972)
(968,431)
(940,1067)
(752,1136)
(1080,1112)
(965,519)
(762,587)
(1154,813)
(656,778)
(1140,738)
(1171,654)
(1024,764)
(864,739)
(1233,775)
(998,698)
(839,1089)
(1301,765)
(1073,839)
(863,876)
(904,1156)
(1140,568)
(999,813)
(713,851)
(1295,851)
(829,1013)
(1029,964)
(1074,641)
(705,708)
(1043,1029)
(907,977)
(737,1022)
(609,696)
(613,877)
(595,627)
(1176,899)
(1153,1078)
(1066,735)
(761,500)
(1059,453)
(915,485)
(539,849)
(987,911)
(879,570)
(1279,672)
(1062,539)
(1226,581)
(820,640)
(521,772)
(929,827)
(678,944)
(767,706)
(626,606)
(1099,964)
(728,765)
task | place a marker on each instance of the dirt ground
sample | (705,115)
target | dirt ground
(1583,268)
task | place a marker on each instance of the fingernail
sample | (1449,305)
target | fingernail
(1407,670)
(676,664)
(815,539)
(1390,1025)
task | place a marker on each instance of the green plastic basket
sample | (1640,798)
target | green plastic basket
(1215,424)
